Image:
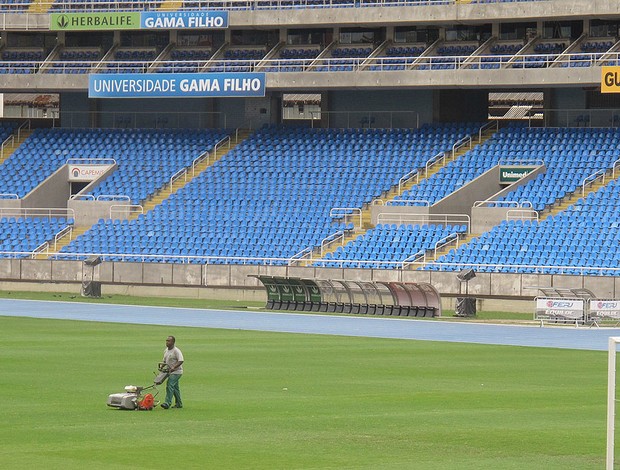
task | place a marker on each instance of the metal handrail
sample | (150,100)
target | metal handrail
(67,230)
(182,173)
(42,248)
(130,208)
(613,171)
(454,236)
(521,162)
(442,266)
(461,143)
(432,161)
(113,197)
(518,214)
(416,258)
(589,180)
(305,254)
(24,125)
(91,161)
(425,219)
(37,212)
(339,235)
(408,177)
(65,6)
(503,203)
(207,154)
(344,212)
(408,201)
(488,125)
(10,140)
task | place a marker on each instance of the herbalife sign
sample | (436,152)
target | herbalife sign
(510,174)
(111,21)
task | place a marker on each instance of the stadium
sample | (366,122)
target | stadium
(378,158)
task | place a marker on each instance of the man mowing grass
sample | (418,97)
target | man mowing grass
(173,357)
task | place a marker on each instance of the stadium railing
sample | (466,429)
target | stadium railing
(331,65)
(147,5)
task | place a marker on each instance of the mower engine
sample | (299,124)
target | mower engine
(134,398)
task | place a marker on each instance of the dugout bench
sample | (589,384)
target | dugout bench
(407,299)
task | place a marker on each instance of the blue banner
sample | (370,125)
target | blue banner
(175,85)
(184,20)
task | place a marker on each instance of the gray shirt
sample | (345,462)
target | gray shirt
(171,357)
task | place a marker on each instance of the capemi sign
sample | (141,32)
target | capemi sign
(84,173)
(138,20)
(176,85)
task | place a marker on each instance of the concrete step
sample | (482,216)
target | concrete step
(55,247)
(171,5)
(166,191)
(394,191)
(38,6)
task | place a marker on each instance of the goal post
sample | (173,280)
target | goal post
(611,400)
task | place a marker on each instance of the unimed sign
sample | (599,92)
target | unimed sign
(610,80)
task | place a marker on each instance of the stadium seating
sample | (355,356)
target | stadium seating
(293,59)
(21,61)
(253,203)
(570,156)
(185,61)
(136,176)
(20,235)
(397,57)
(238,60)
(75,61)
(584,235)
(111,5)
(499,54)
(344,58)
(387,246)
(131,61)
(449,56)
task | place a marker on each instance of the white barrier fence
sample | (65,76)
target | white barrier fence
(577,311)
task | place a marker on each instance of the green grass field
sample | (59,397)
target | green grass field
(280,401)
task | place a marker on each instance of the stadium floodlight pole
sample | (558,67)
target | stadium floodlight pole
(611,399)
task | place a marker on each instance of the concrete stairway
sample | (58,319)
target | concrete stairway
(558,207)
(161,194)
(564,203)
(168,190)
(56,245)
(396,191)
(445,249)
(170,5)
(40,6)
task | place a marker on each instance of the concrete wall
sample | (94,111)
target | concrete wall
(89,212)
(51,193)
(398,214)
(462,200)
(441,14)
(10,203)
(234,281)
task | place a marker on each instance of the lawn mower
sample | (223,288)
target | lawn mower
(140,398)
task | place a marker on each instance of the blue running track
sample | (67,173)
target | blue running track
(375,327)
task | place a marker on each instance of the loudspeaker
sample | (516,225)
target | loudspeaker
(91,289)
(93,261)
(465,307)
(466,275)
